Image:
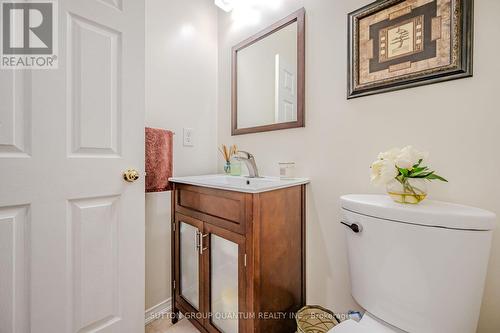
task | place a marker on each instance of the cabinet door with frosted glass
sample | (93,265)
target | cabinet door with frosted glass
(225,264)
(188,264)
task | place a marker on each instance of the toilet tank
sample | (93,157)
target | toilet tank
(421,267)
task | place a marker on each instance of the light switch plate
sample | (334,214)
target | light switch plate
(188,137)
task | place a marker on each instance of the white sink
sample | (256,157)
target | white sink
(239,183)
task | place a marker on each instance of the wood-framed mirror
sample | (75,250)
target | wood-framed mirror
(268,78)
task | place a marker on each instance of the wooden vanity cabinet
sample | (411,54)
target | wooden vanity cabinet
(238,254)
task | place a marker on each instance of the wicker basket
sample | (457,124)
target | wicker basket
(315,319)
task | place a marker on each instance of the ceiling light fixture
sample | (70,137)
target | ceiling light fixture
(225,5)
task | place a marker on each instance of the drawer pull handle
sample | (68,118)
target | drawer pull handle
(202,237)
(197,241)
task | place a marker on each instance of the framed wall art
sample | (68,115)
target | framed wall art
(397,44)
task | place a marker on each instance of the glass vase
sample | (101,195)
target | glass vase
(235,168)
(227,168)
(408,190)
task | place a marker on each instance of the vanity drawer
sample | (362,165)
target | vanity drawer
(226,209)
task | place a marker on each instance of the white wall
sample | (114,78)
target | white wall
(456,121)
(181,76)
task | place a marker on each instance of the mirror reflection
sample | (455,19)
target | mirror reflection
(267,80)
(268,71)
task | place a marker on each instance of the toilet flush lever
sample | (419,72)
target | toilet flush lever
(354,227)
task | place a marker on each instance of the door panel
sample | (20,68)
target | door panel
(14,272)
(94,71)
(94,247)
(15,114)
(225,280)
(188,265)
(71,229)
(224,257)
(286,96)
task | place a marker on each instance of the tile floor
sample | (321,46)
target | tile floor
(164,326)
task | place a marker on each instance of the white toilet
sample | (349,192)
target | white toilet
(415,268)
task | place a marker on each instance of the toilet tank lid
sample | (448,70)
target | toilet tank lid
(427,213)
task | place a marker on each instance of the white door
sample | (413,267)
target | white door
(71,229)
(286,91)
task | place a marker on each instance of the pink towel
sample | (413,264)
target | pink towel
(159,147)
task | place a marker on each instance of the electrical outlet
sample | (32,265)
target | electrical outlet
(188,136)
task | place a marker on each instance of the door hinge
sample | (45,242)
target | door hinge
(173,282)
(173,226)
(245,260)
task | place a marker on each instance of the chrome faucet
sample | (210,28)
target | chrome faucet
(249,161)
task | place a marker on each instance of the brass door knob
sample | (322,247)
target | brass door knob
(131,175)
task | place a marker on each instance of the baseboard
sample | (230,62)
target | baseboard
(158,310)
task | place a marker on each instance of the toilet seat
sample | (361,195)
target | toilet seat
(368,324)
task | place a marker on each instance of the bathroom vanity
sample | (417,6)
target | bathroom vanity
(238,252)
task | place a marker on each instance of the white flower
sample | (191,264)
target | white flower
(383,171)
(390,154)
(408,157)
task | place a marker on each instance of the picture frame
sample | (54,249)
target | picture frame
(399,44)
